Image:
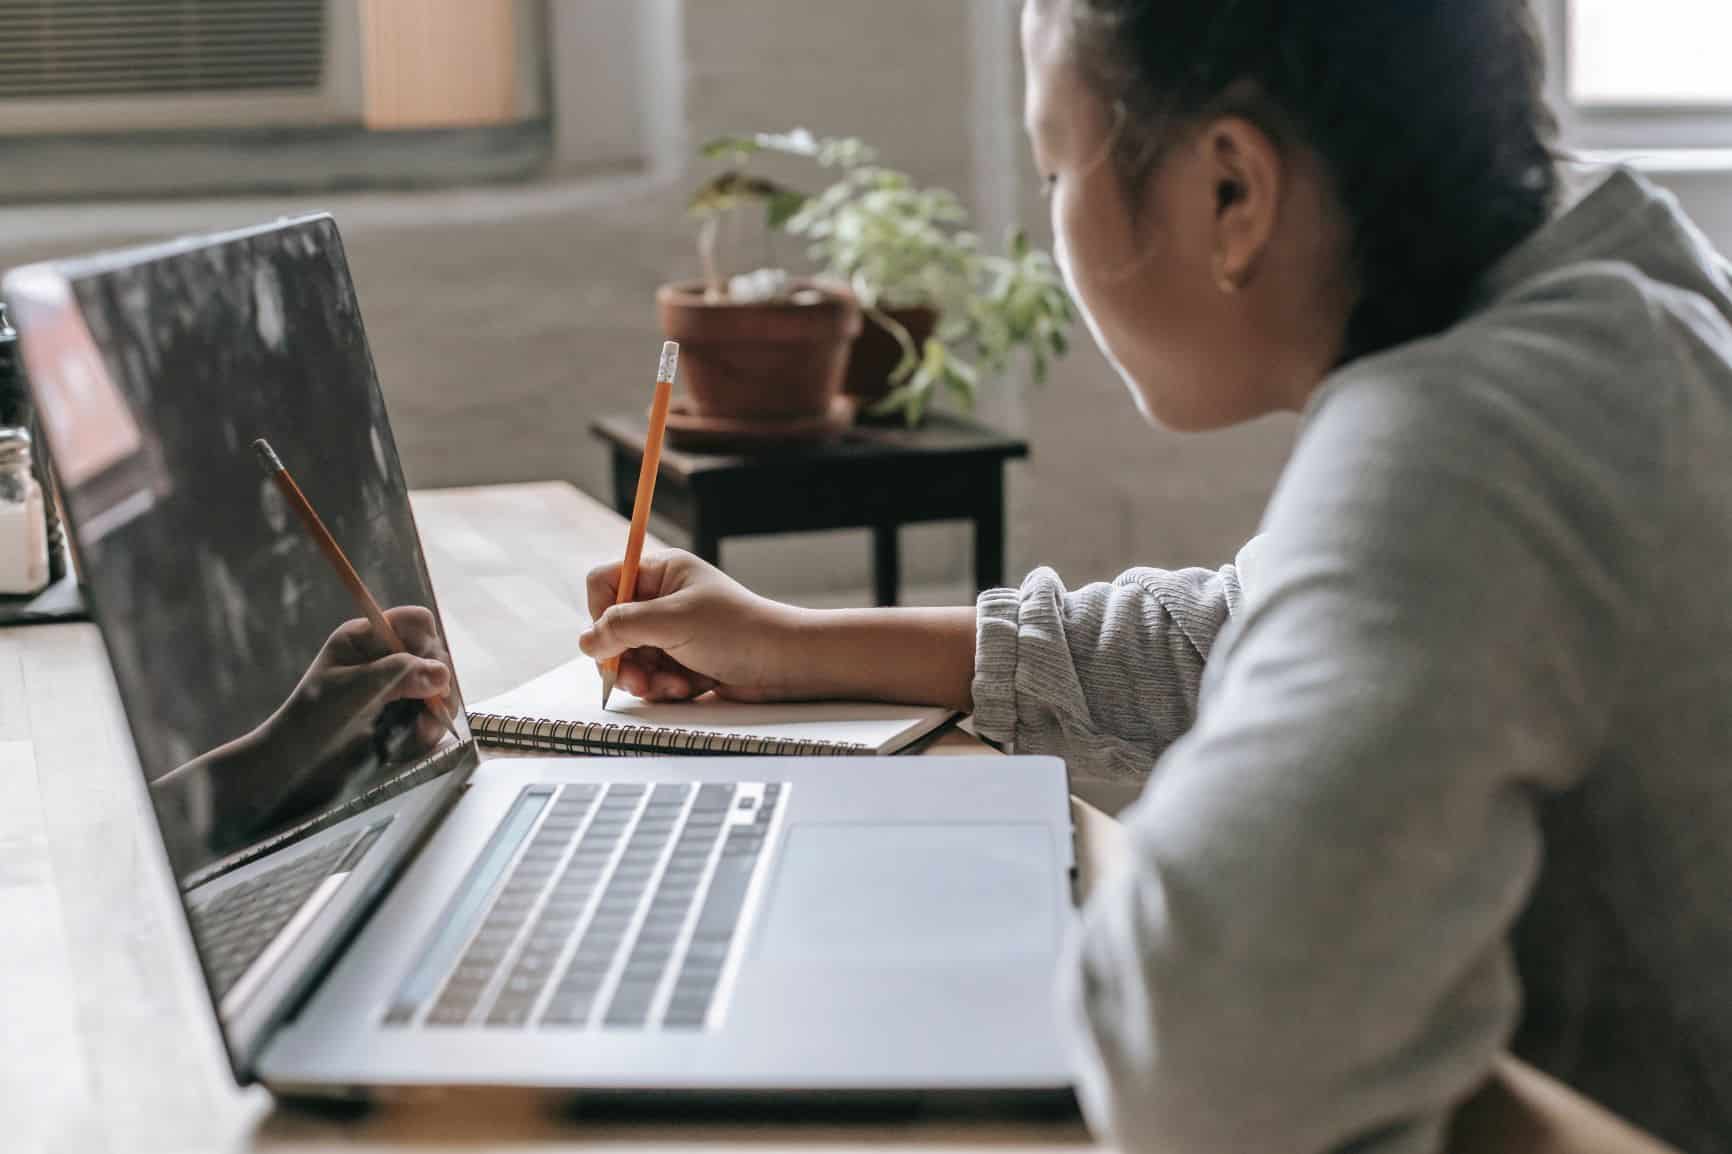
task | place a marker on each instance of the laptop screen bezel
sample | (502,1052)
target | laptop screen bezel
(248,1031)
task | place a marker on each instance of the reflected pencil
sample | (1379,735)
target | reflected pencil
(646,487)
(351,580)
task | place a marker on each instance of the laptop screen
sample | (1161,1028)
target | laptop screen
(264,703)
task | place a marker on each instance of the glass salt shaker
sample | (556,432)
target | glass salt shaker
(23,530)
(16,412)
(14,401)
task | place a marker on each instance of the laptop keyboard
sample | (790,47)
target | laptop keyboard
(621,912)
(234,927)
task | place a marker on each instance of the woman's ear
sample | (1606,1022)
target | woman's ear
(1244,166)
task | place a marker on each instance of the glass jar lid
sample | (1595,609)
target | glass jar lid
(14,446)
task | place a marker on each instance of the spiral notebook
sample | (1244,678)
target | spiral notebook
(560,712)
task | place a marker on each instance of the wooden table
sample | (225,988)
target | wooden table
(107,1042)
(877,477)
(106,1039)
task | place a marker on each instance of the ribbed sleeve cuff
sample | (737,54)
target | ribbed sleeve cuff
(996,616)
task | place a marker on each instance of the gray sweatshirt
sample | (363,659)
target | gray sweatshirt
(1440,766)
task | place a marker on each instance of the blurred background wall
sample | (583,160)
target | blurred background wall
(503,316)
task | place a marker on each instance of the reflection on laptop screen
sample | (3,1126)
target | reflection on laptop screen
(263,704)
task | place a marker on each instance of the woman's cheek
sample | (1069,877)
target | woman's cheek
(1061,246)
(1061,251)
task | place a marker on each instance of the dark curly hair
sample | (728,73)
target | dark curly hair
(1428,115)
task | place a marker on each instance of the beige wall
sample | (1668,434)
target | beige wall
(502,319)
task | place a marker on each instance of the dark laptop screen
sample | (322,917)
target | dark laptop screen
(262,703)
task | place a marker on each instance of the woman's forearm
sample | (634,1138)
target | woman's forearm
(921,656)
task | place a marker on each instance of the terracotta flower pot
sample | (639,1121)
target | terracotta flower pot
(767,360)
(876,353)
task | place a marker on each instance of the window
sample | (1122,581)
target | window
(1652,53)
(123,97)
(1642,75)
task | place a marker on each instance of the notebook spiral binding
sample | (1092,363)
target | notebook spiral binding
(614,739)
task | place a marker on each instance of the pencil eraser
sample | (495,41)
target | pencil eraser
(670,361)
(267,456)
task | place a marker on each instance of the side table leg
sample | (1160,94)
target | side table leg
(989,534)
(706,544)
(886,564)
(625,471)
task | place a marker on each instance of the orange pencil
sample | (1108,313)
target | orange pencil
(646,487)
(345,572)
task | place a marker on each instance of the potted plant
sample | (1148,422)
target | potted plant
(761,348)
(941,311)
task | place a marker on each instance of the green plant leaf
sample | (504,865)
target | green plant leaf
(782,206)
(727,191)
(905,366)
(933,357)
(962,381)
(916,410)
(714,196)
(909,400)
(724,146)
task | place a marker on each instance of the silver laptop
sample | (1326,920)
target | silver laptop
(376,906)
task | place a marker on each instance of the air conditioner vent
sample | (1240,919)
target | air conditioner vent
(58,49)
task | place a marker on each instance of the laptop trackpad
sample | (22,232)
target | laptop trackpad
(876,892)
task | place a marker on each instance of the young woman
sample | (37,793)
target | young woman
(1439,766)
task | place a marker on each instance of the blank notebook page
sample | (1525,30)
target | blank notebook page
(572,693)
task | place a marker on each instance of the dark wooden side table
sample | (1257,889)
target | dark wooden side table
(874,477)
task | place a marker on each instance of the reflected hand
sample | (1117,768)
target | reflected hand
(317,740)
(340,698)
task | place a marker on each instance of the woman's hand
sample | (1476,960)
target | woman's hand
(691,630)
